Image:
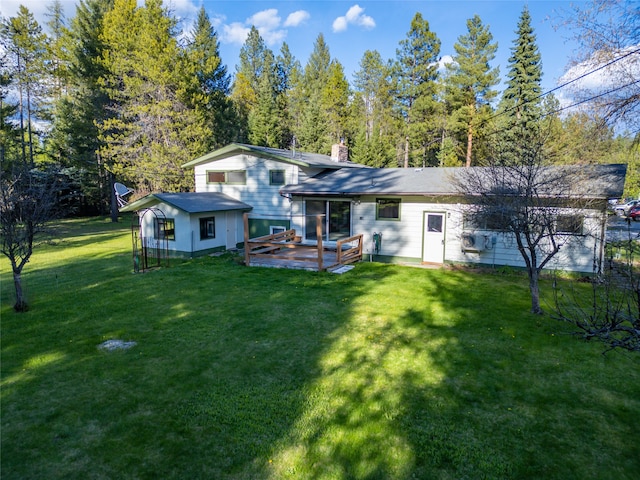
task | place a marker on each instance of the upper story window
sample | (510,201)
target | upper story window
(237,177)
(276,177)
(387,209)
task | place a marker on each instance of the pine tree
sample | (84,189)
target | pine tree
(521,98)
(73,140)
(416,72)
(25,43)
(152,131)
(247,79)
(208,82)
(264,119)
(372,106)
(335,99)
(470,81)
(289,74)
(313,131)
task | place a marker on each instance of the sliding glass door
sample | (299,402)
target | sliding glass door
(336,220)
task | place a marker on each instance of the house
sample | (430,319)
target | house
(405,215)
(419,216)
(228,182)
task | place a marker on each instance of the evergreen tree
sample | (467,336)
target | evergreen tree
(73,140)
(264,119)
(471,80)
(208,82)
(521,98)
(247,80)
(25,45)
(152,131)
(313,131)
(335,99)
(416,71)
(372,143)
(57,50)
(9,134)
(289,74)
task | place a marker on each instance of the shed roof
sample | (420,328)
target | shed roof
(598,181)
(190,202)
(302,159)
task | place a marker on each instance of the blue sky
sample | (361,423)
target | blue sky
(352,27)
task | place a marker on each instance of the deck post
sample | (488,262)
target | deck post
(319,240)
(245,221)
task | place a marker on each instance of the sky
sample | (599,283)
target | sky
(352,27)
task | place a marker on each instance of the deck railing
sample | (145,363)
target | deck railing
(288,247)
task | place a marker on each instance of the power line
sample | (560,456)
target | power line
(591,72)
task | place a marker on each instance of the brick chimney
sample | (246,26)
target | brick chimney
(340,152)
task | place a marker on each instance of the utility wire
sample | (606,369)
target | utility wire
(591,72)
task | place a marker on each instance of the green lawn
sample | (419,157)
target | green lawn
(249,373)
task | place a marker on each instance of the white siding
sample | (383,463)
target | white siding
(257,192)
(403,239)
(187,228)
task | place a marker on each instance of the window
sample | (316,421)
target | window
(569,224)
(489,221)
(276,177)
(231,176)
(273,229)
(207,228)
(164,228)
(336,219)
(387,209)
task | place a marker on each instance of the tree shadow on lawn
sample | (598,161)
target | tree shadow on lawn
(451,387)
(385,372)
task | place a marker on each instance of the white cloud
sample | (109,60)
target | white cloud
(266,19)
(268,23)
(297,18)
(355,16)
(234,33)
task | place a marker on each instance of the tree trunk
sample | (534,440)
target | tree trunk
(406,153)
(470,135)
(21,303)
(469,145)
(534,288)
(114,201)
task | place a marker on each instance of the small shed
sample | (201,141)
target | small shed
(193,223)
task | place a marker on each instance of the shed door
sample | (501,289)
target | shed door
(433,237)
(231,224)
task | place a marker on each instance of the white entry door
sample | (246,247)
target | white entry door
(231,224)
(433,237)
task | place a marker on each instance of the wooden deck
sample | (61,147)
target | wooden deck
(286,250)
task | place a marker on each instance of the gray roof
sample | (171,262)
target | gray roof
(297,157)
(190,202)
(602,181)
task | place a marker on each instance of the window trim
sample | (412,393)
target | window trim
(471,223)
(169,229)
(390,200)
(204,221)
(284,176)
(273,229)
(226,177)
(570,217)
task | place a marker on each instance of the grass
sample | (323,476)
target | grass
(243,373)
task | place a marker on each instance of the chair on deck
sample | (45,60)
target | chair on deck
(121,192)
